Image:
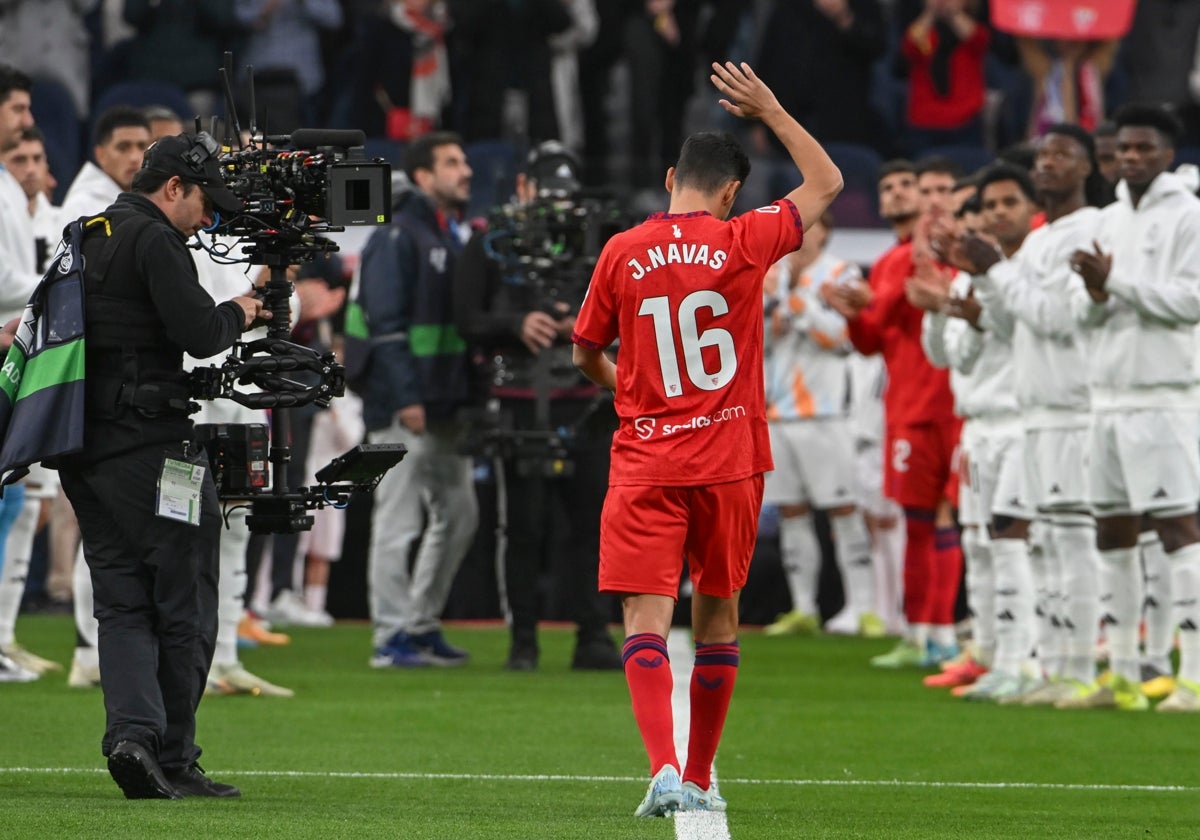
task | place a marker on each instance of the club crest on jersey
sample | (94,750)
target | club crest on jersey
(770,208)
(437,259)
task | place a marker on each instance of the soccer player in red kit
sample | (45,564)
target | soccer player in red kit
(922,431)
(683,292)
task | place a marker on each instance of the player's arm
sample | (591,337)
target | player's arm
(750,98)
(596,366)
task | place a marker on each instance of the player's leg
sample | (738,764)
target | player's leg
(799,548)
(1117,526)
(882,517)
(913,482)
(948,560)
(827,464)
(720,543)
(1157,674)
(642,536)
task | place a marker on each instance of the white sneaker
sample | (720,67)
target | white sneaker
(11,672)
(30,661)
(845,623)
(289,609)
(83,676)
(235,679)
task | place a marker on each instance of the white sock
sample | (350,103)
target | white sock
(17,550)
(1184,564)
(920,634)
(231,587)
(85,620)
(981,592)
(853,550)
(801,561)
(1122,609)
(1156,609)
(1075,539)
(1014,607)
(888,564)
(1044,560)
(314,596)
(943,635)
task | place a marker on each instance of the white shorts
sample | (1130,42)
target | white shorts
(994,479)
(814,464)
(1143,460)
(868,468)
(1056,462)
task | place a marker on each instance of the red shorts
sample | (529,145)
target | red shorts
(645,531)
(921,465)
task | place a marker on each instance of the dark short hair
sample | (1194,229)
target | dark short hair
(895,166)
(33,134)
(146,181)
(971,204)
(999,172)
(13,79)
(1020,154)
(1158,117)
(709,160)
(940,164)
(118,116)
(419,154)
(160,112)
(1108,128)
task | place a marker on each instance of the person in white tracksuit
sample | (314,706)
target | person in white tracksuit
(1139,294)
(1050,363)
(976,344)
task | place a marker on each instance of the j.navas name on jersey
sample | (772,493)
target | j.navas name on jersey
(679,253)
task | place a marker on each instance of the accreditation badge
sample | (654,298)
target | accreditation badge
(179,491)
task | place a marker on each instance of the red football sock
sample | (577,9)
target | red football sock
(947,559)
(648,672)
(919,572)
(713,677)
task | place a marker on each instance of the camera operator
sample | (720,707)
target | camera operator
(508,317)
(149,519)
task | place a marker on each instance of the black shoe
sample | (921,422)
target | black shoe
(522,658)
(191,781)
(597,656)
(136,772)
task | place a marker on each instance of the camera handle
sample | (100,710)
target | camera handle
(277,297)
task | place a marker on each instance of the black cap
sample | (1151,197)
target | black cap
(193,157)
(555,168)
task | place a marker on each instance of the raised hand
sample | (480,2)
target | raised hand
(748,96)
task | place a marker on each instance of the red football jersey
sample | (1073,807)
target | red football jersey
(684,294)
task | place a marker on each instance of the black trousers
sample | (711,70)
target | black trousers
(537,504)
(155,583)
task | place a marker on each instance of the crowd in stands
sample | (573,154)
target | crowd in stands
(878,77)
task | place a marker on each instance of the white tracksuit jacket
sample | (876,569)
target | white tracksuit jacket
(1142,344)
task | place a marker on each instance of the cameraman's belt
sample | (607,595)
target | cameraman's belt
(156,397)
(389,338)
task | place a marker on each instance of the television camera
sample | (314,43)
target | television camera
(292,191)
(546,250)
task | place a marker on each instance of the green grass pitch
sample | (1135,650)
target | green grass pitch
(817,745)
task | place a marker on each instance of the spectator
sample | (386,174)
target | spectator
(1157,53)
(47,38)
(835,40)
(508,86)
(1068,81)
(285,38)
(401,75)
(182,42)
(121,137)
(944,49)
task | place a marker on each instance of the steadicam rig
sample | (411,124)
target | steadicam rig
(290,191)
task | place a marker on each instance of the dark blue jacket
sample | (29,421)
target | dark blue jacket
(416,356)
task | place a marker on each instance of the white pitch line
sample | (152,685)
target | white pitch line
(564,777)
(694,825)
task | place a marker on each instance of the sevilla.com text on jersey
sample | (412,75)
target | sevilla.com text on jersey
(644,426)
